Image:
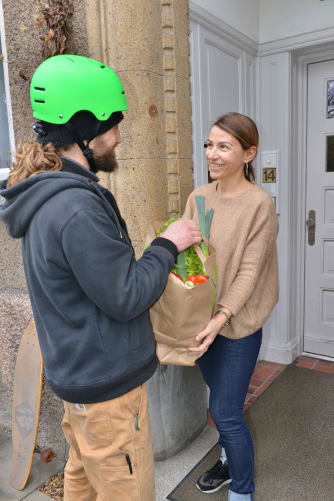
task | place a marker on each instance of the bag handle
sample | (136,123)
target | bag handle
(208,263)
(200,253)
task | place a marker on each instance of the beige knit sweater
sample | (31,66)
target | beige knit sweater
(243,232)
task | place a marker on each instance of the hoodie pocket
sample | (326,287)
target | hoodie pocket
(115,336)
(134,337)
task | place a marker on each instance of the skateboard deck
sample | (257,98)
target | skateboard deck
(27,393)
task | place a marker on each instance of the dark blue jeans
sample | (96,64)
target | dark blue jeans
(227,367)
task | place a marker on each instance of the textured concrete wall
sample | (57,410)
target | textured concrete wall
(24,49)
(146,43)
(15,314)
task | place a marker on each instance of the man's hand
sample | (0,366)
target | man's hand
(183,234)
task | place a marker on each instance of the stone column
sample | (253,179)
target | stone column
(147,44)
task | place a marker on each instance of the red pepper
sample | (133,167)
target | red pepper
(198,279)
(178,276)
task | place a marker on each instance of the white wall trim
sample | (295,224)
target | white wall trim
(199,175)
(282,353)
(212,23)
(296,42)
(202,37)
(6,78)
(215,25)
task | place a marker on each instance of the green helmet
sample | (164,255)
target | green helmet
(63,85)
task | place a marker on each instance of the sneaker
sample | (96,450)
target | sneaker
(214,479)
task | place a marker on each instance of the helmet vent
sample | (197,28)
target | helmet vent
(102,66)
(39,88)
(39,101)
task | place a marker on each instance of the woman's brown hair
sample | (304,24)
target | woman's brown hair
(33,158)
(245,131)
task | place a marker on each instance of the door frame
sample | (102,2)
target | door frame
(3,47)
(298,182)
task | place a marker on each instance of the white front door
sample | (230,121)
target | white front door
(319,245)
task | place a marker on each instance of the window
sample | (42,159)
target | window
(330,154)
(330,99)
(5,156)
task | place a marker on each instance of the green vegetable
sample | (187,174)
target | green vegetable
(180,266)
(167,223)
(204,220)
(187,262)
(194,265)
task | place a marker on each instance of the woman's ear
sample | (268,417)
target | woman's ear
(250,154)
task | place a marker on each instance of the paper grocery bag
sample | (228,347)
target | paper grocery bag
(181,313)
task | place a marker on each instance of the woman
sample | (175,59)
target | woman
(243,232)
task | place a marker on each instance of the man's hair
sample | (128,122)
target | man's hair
(33,158)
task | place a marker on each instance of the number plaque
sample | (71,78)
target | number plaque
(269,175)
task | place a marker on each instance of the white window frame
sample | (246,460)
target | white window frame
(5,171)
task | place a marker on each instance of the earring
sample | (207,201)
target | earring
(246,169)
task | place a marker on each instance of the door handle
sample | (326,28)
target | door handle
(310,223)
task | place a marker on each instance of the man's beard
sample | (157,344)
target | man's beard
(104,160)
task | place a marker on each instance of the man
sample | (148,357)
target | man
(89,295)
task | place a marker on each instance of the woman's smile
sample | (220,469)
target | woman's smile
(215,166)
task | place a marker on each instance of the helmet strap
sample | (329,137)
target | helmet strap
(86,150)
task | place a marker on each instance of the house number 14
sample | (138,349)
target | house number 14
(269,175)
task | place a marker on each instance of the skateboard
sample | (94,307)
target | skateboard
(27,395)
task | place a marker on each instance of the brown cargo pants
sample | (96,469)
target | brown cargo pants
(110,456)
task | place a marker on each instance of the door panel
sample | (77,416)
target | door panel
(222,76)
(222,80)
(319,252)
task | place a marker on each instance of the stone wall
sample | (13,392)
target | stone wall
(24,54)
(146,43)
(24,49)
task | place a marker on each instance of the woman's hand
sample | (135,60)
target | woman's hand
(208,335)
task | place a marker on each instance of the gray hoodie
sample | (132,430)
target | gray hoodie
(88,293)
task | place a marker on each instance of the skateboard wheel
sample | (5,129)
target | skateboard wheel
(47,455)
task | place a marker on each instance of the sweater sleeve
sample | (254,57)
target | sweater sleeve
(260,242)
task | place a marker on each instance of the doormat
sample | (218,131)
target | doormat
(292,425)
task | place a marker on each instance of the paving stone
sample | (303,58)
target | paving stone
(3,436)
(39,474)
(37,496)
